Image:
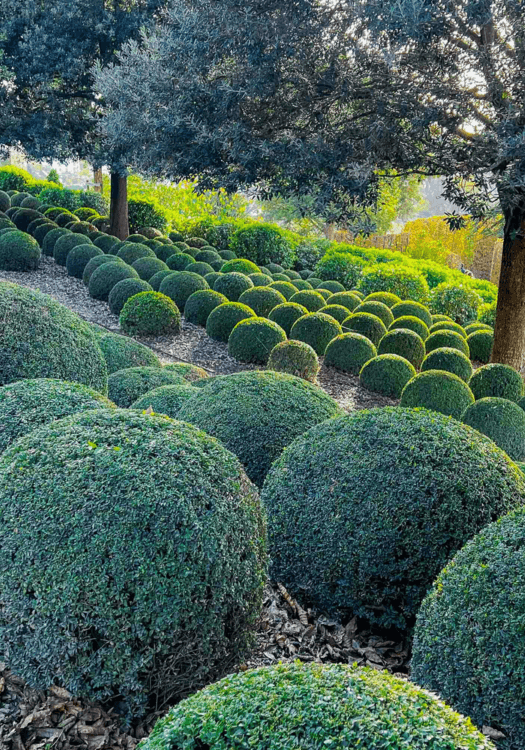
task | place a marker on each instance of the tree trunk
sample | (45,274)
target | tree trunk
(118,212)
(509,331)
(98,180)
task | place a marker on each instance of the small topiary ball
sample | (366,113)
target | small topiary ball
(411,323)
(480,345)
(286,314)
(23,218)
(158,278)
(42,231)
(345,299)
(137,238)
(295,358)
(19,252)
(439,391)
(260,279)
(497,380)
(200,304)
(78,258)
(163,252)
(262,299)
(5,201)
(96,262)
(450,360)
(367,325)
(437,318)
(180,286)
(448,325)
(123,290)
(406,344)
(333,286)
(31,202)
(317,330)
(129,384)
(501,420)
(473,327)
(150,314)
(255,414)
(167,399)
(121,352)
(207,255)
(363,511)
(415,309)
(387,298)
(190,373)
(223,319)
(450,339)
(309,298)
(200,268)
(338,312)
(197,242)
(302,285)
(286,288)
(129,252)
(326,705)
(148,267)
(179,261)
(253,339)
(240,265)
(50,239)
(67,242)
(349,352)
(104,278)
(28,404)
(386,374)
(379,309)
(232,285)
(325,293)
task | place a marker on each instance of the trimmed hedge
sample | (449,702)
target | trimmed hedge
(19,252)
(497,380)
(448,325)
(360,522)
(104,278)
(309,298)
(121,352)
(39,338)
(240,265)
(96,262)
(190,373)
(406,344)
(257,414)
(127,385)
(387,298)
(349,352)
(317,330)
(367,325)
(438,391)
(123,290)
(207,256)
(150,314)
(501,420)
(345,299)
(92,514)
(480,345)
(295,358)
(262,299)
(450,360)
(473,327)
(411,323)
(67,242)
(78,258)
(286,314)
(414,309)
(223,319)
(200,268)
(148,267)
(342,267)
(379,309)
(253,339)
(42,231)
(200,304)
(386,374)
(232,285)
(302,285)
(449,339)
(129,252)
(260,279)
(167,399)
(325,705)
(180,286)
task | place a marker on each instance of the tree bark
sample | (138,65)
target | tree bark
(509,330)
(118,212)
(98,180)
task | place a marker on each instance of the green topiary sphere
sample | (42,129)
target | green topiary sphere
(501,420)
(211,278)
(295,358)
(48,244)
(326,705)
(78,258)
(386,298)
(473,327)
(256,414)
(286,314)
(367,325)
(67,242)
(386,374)
(137,238)
(24,217)
(302,285)
(286,288)
(406,283)
(101,498)
(240,265)
(104,278)
(480,345)
(148,267)
(180,286)
(167,399)
(262,299)
(314,282)
(200,304)
(19,252)
(338,312)
(260,279)
(437,318)
(448,325)
(232,285)
(325,293)
(405,343)
(121,352)
(207,255)
(223,319)
(497,380)
(379,309)
(345,299)
(150,314)
(96,262)
(364,511)
(163,252)
(450,339)
(253,339)
(199,268)
(127,385)
(439,391)
(414,309)
(317,330)
(179,261)
(191,373)
(349,352)
(460,302)
(468,641)
(129,252)
(5,201)
(411,323)
(42,231)
(450,360)
(197,242)
(123,290)
(309,298)
(158,278)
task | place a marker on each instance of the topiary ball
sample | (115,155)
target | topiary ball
(437,318)
(386,298)
(223,319)
(207,255)
(104,278)
(472,327)
(255,414)
(386,374)
(167,399)
(96,262)
(439,391)
(48,244)
(158,278)
(468,641)
(232,285)
(405,343)
(78,258)
(121,352)
(480,345)
(129,384)
(501,420)
(148,267)
(309,298)
(240,265)
(197,242)
(326,705)
(23,218)
(200,268)
(200,304)
(28,404)
(191,373)
(286,288)
(415,309)
(129,252)
(349,352)
(123,290)
(317,330)
(498,380)
(19,252)
(5,201)
(65,244)
(302,284)
(338,312)
(260,279)
(367,325)
(253,339)
(379,309)
(39,338)
(92,512)
(360,521)
(163,252)
(179,261)
(448,325)
(180,286)
(449,339)
(295,358)
(42,231)
(150,314)
(262,299)
(349,300)
(450,360)
(458,301)
(286,314)
(411,323)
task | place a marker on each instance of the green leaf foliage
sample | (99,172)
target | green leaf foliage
(366,324)
(295,358)
(497,380)
(253,339)
(19,252)
(449,359)
(349,352)
(121,352)
(438,390)
(150,314)
(123,290)
(480,345)
(223,319)
(166,399)
(232,285)
(386,374)
(501,420)
(317,330)
(262,299)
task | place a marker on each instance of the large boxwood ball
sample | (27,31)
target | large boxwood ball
(439,391)
(5,201)
(127,385)
(440,339)
(240,265)
(179,261)
(150,314)
(480,345)
(104,278)
(364,511)
(451,360)
(468,641)
(349,352)
(19,252)
(65,218)
(163,252)
(413,308)
(286,288)
(207,255)
(48,243)
(130,252)
(338,312)
(314,706)
(197,242)
(106,242)
(123,290)
(379,309)
(167,399)
(78,258)
(121,352)
(366,324)
(253,339)
(148,267)
(260,279)
(128,542)
(67,242)
(200,304)
(28,404)
(262,299)
(257,414)
(302,285)
(96,262)
(158,278)
(501,420)
(345,299)
(180,286)
(39,338)
(448,325)
(387,298)
(23,218)
(232,285)
(411,323)
(405,343)
(477,326)
(317,330)
(200,268)
(309,298)
(386,374)
(497,380)
(286,314)
(295,358)
(223,319)
(42,231)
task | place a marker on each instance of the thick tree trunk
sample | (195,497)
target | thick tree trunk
(509,331)
(118,212)
(98,180)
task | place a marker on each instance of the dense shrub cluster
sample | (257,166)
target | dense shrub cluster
(262,244)
(404,282)
(459,302)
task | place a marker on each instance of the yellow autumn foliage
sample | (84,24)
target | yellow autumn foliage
(431,239)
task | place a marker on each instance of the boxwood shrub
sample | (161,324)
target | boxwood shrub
(179,261)
(457,301)
(123,290)
(93,514)
(19,252)
(148,267)
(317,330)
(255,414)
(473,327)
(104,278)
(129,252)
(405,343)
(240,265)
(342,267)
(497,380)
(106,242)
(480,345)
(414,309)
(349,352)
(501,420)
(163,252)
(286,288)
(197,242)
(207,255)
(411,323)
(406,283)
(5,201)
(366,324)
(262,244)
(253,339)
(450,360)
(387,298)
(302,285)
(338,312)
(438,390)
(67,242)
(451,339)
(127,385)
(437,318)
(309,298)
(200,304)
(487,314)
(386,374)
(379,309)
(78,258)
(326,705)
(158,278)
(232,285)
(286,314)
(448,325)
(180,286)
(200,268)
(167,399)
(345,299)
(295,358)
(42,231)
(150,314)
(333,494)
(190,373)
(223,319)
(23,218)
(121,352)
(96,262)
(260,279)
(262,299)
